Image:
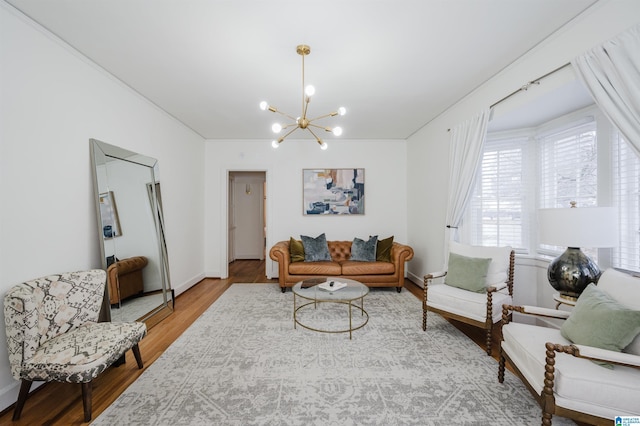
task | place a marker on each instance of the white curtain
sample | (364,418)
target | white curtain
(611,72)
(465,153)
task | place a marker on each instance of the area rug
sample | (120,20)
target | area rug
(243,363)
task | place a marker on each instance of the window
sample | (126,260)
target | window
(498,203)
(626,194)
(568,171)
(524,170)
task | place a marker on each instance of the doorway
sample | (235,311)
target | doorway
(247,216)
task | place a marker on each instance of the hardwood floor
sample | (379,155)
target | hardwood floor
(61,404)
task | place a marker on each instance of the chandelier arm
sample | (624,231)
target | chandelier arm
(331,114)
(285,115)
(328,129)
(305,107)
(314,135)
(289,132)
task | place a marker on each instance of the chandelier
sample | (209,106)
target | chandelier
(302,122)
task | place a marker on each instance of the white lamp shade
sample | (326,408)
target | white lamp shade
(589,227)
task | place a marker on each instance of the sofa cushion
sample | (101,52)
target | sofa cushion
(500,257)
(599,320)
(626,290)
(367,268)
(466,303)
(364,251)
(579,383)
(315,249)
(383,249)
(315,268)
(296,249)
(467,273)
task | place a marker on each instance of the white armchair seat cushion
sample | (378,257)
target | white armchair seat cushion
(466,303)
(580,384)
(80,355)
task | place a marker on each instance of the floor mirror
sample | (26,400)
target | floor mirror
(132,234)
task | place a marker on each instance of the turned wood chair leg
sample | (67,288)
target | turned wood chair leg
(22,398)
(489,341)
(501,364)
(136,353)
(86,400)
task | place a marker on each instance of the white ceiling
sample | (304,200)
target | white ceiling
(395,65)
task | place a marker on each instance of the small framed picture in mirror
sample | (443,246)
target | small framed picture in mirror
(109,215)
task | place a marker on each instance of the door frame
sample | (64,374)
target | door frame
(224,207)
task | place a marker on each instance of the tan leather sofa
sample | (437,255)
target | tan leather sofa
(125,278)
(373,274)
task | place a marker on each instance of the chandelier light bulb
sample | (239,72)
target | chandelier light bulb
(274,143)
(277,128)
(337,131)
(324,146)
(342,110)
(264,105)
(309,90)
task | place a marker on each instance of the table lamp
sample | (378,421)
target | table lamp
(592,227)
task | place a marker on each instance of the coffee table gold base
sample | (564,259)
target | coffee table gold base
(349,330)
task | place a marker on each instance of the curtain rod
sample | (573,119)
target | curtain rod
(529,84)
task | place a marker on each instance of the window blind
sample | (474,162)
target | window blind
(498,203)
(626,192)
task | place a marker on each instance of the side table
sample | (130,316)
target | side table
(563,300)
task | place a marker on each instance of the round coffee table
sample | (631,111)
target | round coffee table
(347,295)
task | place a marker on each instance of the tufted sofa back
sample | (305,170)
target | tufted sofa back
(39,310)
(340,251)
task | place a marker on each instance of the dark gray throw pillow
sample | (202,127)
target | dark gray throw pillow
(364,251)
(315,249)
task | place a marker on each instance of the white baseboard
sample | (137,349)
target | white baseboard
(419,281)
(188,284)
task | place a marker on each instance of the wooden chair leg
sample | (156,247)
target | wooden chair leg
(25,386)
(501,365)
(86,400)
(489,341)
(136,353)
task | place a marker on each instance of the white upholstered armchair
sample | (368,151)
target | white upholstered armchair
(478,281)
(53,333)
(589,369)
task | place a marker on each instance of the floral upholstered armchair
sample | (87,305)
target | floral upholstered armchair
(53,333)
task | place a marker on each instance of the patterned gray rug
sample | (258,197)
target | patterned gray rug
(243,363)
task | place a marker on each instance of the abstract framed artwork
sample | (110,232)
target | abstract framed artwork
(333,191)
(109,215)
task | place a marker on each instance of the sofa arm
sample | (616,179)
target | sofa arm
(130,264)
(401,253)
(281,254)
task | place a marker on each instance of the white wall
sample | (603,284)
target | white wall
(52,101)
(428,149)
(386,193)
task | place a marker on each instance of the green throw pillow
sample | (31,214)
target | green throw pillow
(364,251)
(468,273)
(599,320)
(383,251)
(296,249)
(316,249)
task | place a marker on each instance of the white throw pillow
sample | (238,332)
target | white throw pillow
(625,289)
